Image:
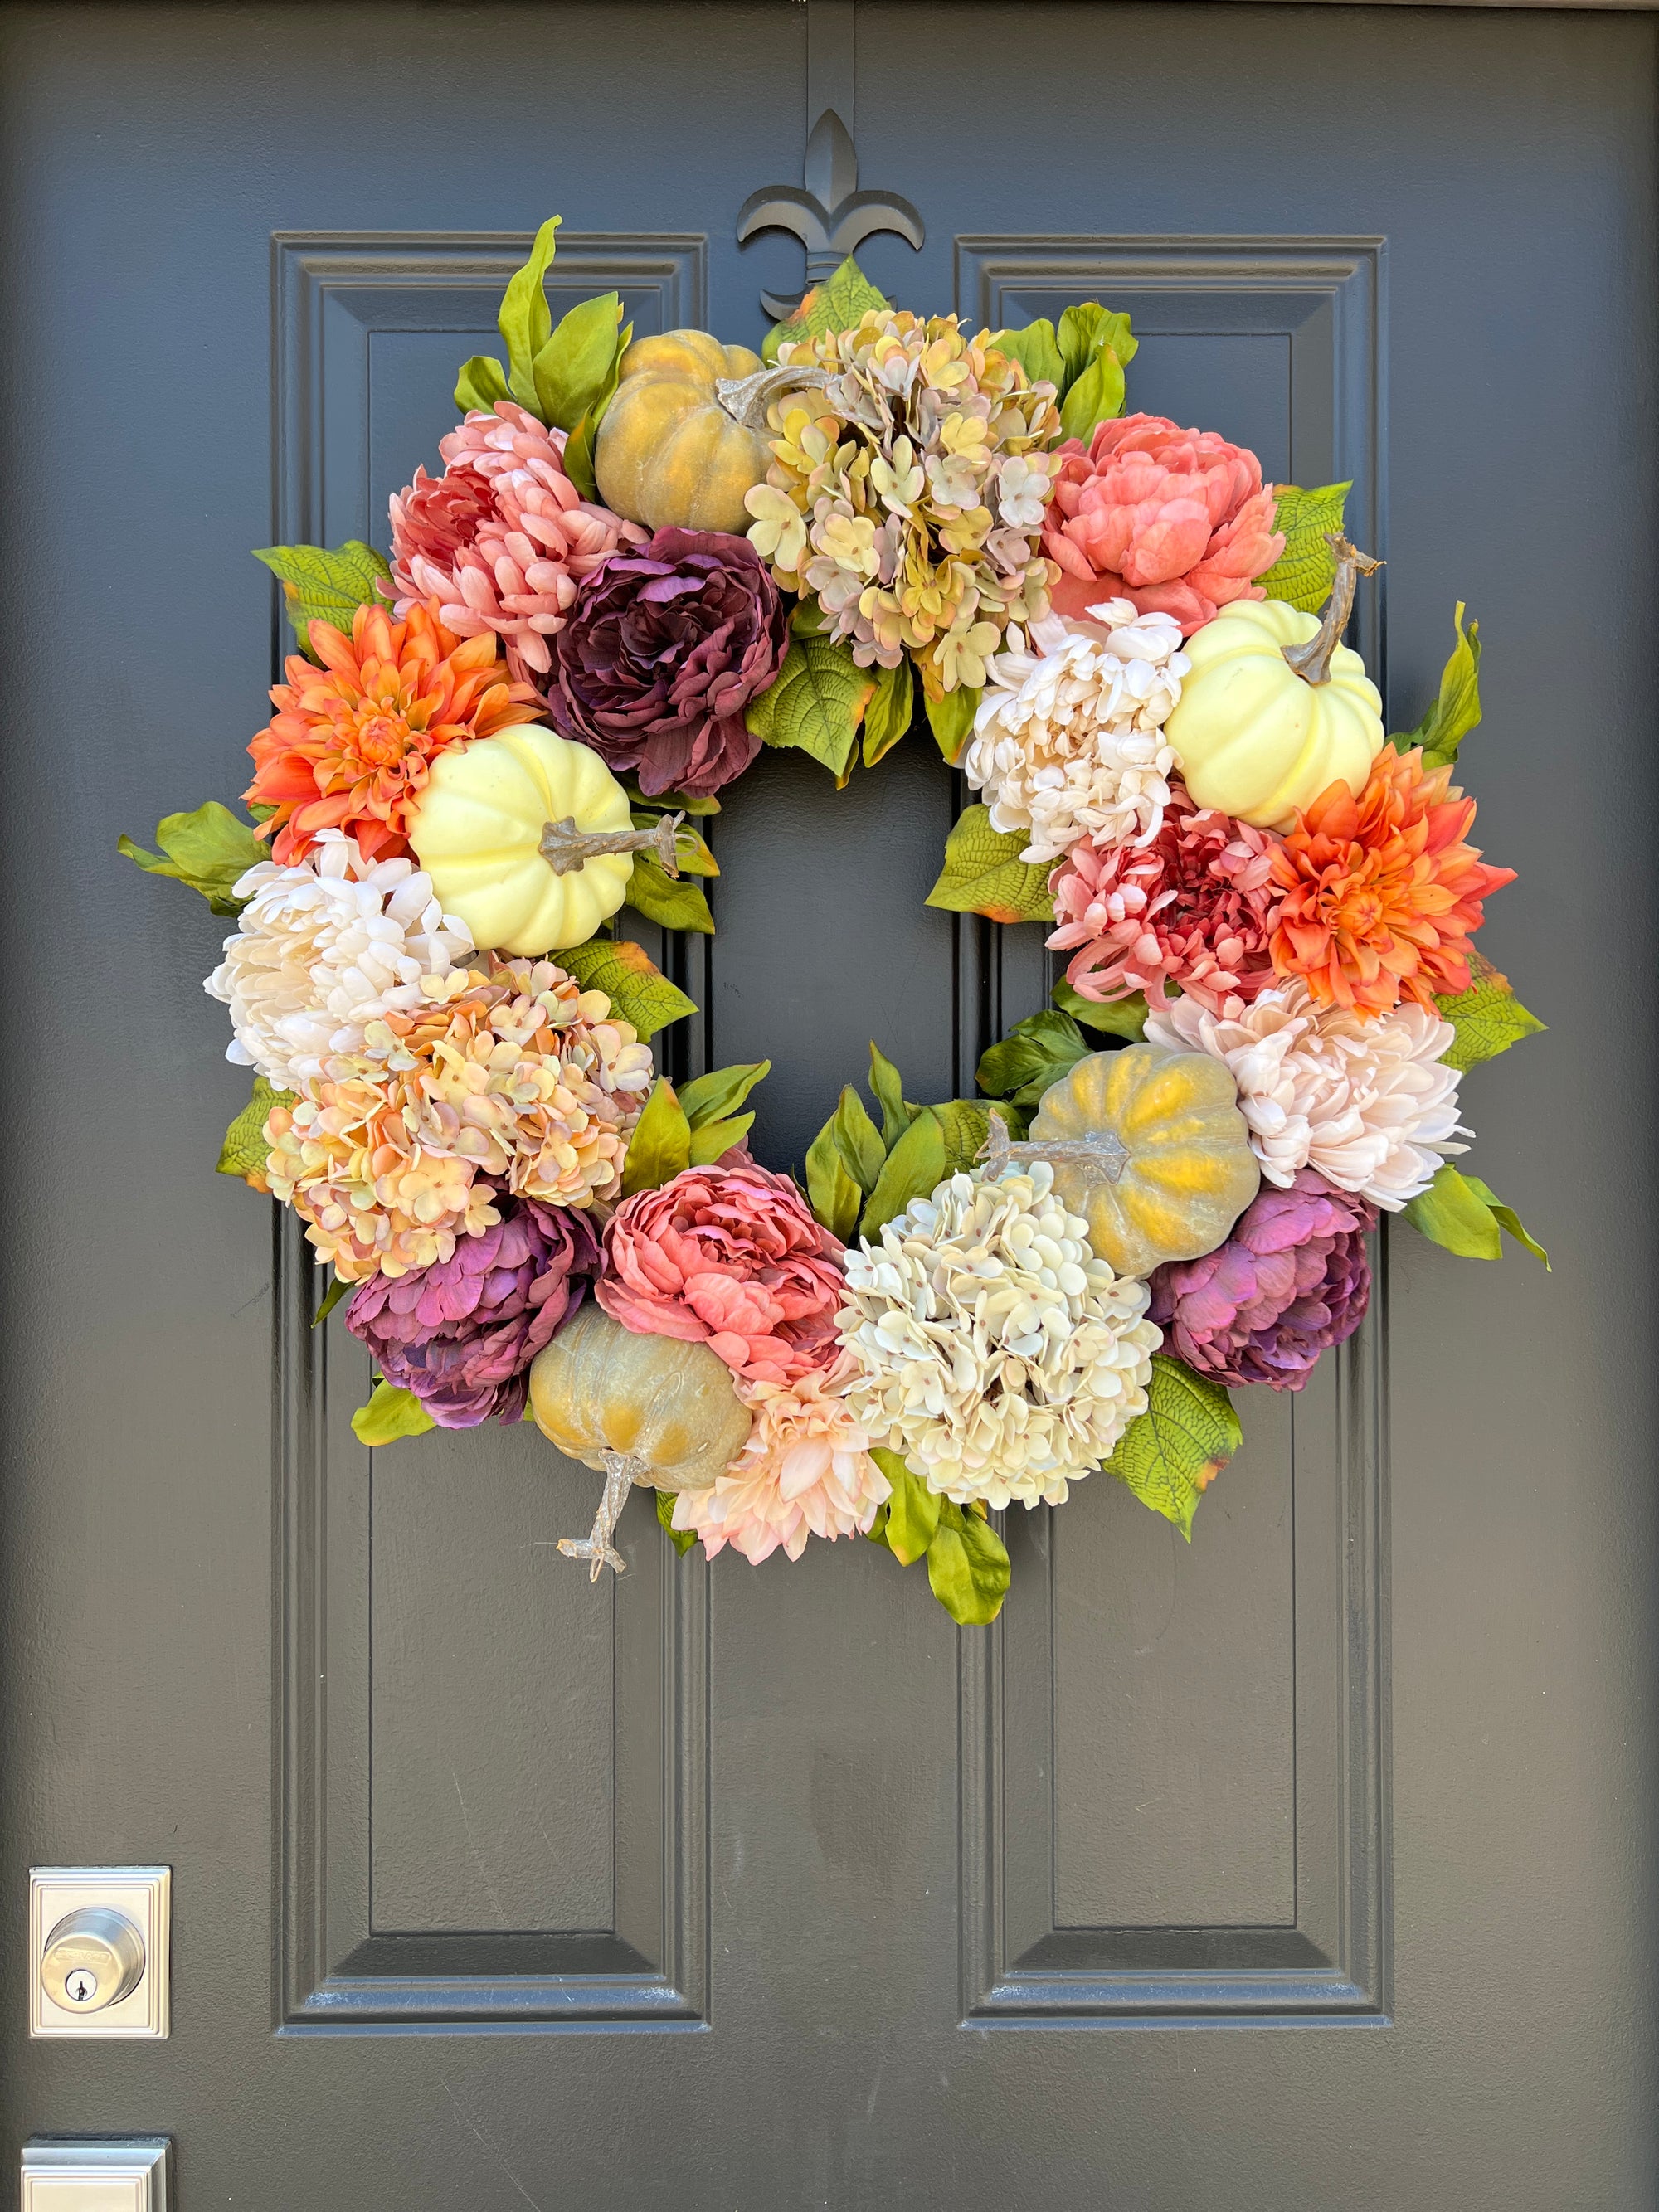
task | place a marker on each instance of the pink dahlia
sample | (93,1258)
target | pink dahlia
(1177,521)
(1196,906)
(502,539)
(731,1257)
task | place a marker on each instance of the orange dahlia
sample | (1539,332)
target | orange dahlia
(1380,893)
(350,745)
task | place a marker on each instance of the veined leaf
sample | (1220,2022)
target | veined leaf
(208,849)
(951,718)
(673,903)
(1488,1017)
(984,874)
(1034,1054)
(319,586)
(579,445)
(816,704)
(1124,1018)
(1507,1217)
(389,1413)
(887,1089)
(967,1567)
(1169,1454)
(572,368)
(482,385)
(838,304)
(707,1098)
(636,988)
(1464,1216)
(963,1124)
(887,717)
(1304,572)
(525,321)
(713,1137)
(681,1538)
(1457,709)
(915,1167)
(1036,350)
(660,1146)
(912,1510)
(244,1152)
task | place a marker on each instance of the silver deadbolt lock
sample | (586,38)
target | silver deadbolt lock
(93,1958)
(99,1938)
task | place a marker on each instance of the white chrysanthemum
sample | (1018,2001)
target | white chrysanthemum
(992,1348)
(324,949)
(1067,741)
(1367,1102)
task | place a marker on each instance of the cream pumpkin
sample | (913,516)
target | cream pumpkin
(666,1406)
(669,454)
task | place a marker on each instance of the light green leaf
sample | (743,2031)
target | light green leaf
(1303,574)
(713,1137)
(209,849)
(525,320)
(681,1538)
(963,1124)
(672,903)
(579,446)
(1036,1053)
(1457,709)
(1036,350)
(1450,1214)
(1169,1454)
(636,988)
(692,854)
(816,704)
(951,718)
(660,1146)
(967,1567)
(665,802)
(481,385)
(888,1091)
(319,586)
(887,717)
(1085,332)
(572,368)
(838,304)
(833,1195)
(1095,397)
(705,1098)
(1124,1018)
(338,1289)
(244,1152)
(1507,1217)
(389,1413)
(912,1510)
(984,874)
(1488,1017)
(857,1139)
(914,1168)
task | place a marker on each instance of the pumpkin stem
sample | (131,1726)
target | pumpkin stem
(1312,661)
(566,848)
(622,1471)
(746,398)
(1103,1155)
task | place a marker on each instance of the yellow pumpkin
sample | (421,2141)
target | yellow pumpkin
(477,833)
(1169,1167)
(668,454)
(668,1406)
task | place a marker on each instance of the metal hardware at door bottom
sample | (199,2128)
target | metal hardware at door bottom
(108,2174)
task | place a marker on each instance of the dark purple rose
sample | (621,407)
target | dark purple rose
(461,1334)
(1291,1278)
(664,647)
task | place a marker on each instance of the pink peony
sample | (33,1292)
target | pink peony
(504,538)
(1195,905)
(731,1257)
(805,1471)
(1178,521)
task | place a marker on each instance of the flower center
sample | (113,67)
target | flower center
(381,741)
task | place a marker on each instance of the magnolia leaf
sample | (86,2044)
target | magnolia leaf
(389,1413)
(915,1167)
(1457,709)
(319,586)
(660,1146)
(887,717)
(1124,1018)
(888,1091)
(951,718)
(1034,1054)
(244,1152)
(579,445)
(525,321)
(1088,331)
(831,1191)
(838,304)
(1303,574)
(1507,1217)
(673,903)
(1488,1017)
(967,1567)
(482,385)
(1169,1454)
(636,988)
(912,1510)
(572,368)
(1095,397)
(1036,350)
(681,1538)
(1461,1213)
(705,1098)
(691,854)
(984,874)
(816,704)
(713,1137)
(338,1289)
(209,849)
(964,1124)
(856,1137)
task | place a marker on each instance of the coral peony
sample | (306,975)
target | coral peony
(733,1258)
(351,744)
(502,539)
(1380,893)
(805,1471)
(1195,905)
(1291,1278)
(664,649)
(462,1333)
(1179,522)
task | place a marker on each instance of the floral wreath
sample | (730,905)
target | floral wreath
(642,561)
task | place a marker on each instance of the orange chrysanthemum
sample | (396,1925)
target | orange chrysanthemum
(1380,893)
(350,745)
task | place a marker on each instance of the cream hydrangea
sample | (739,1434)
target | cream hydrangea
(1366,1101)
(323,950)
(1068,739)
(990,1347)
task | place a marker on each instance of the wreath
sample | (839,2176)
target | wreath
(643,560)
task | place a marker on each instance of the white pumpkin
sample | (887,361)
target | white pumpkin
(477,832)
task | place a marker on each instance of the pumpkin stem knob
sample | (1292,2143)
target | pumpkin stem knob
(1312,661)
(622,1471)
(1103,1155)
(566,848)
(746,398)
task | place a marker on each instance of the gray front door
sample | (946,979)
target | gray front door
(1310,1867)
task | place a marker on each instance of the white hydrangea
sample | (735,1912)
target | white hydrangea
(991,1348)
(325,948)
(1067,739)
(1367,1102)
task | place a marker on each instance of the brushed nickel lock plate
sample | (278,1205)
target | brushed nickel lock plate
(126,2176)
(99,1939)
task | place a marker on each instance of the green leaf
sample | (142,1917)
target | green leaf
(636,988)
(1169,1454)
(816,704)
(1036,1053)
(912,1510)
(579,446)
(1303,574)
(915,1167)
(338,1289)
(984,874)
(672,903)
(572,368)
(681,1538)
(692,854)
(717,1137)
(244,1152)
(1457,709)
(832,1193)
(1088,331)
(887,717)
(319,585)
(525,320)
(963,1125)
(389,1413)
(1507,1217)
(1124,1018)
(209,849)
(856,1140)
(1095,397)
(1462,1214)
(951,719)
(1488,1017)
(1036,350)
(481,385)
(660,1146)
(838,304)
(888,1091)
(666,802)
(967,1567)
(705,1098)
